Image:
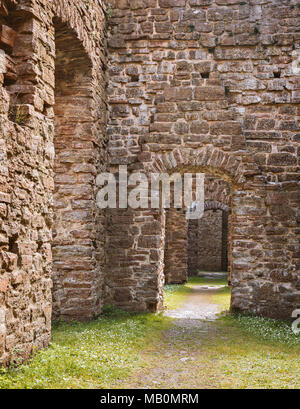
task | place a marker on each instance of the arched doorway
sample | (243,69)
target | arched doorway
(76,274)
(141,266)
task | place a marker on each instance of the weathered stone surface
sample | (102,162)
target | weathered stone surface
(208,238)
(210,241)
(176,247)
(219,96)
(30,78)
(192,86)
(7,36)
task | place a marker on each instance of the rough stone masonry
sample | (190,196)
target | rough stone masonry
(206,86)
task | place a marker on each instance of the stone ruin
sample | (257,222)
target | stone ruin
(208,86)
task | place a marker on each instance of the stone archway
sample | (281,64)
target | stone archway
(142,259)
(215,205)
(227,165)
(231,169)
(76,275)
(27,58)
(193,90)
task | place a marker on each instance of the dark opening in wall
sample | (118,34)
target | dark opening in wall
(205,75)
(277,74)
(17,58)
(135,78)
(12,244)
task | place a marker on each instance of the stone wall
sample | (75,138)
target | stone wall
(185,241)
(210,241)
(29,54)
(176,247)
(211,86)
(77,245)
(217,196)
(192,86)
(192,251)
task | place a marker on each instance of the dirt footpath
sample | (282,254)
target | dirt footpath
(176,361)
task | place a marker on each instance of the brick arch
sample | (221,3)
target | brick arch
(215,205)
(207,159)
(145,243)
(65,11)
(143,253)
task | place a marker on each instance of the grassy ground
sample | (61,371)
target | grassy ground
(175,294)
(250,352)
(89,355)
(119,348)
(236,351)
(204,280)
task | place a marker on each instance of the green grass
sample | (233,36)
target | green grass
(239,351)
(235,351)
(222,298)
(175,295)
(252,352)
(202,280)
(266,329)
(89,355)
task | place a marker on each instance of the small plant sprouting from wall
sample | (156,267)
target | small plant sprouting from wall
(109,12)
(17,357)
(18,114)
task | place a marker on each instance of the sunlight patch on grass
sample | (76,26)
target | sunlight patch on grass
(222,298)
(175,295)
(207,281)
